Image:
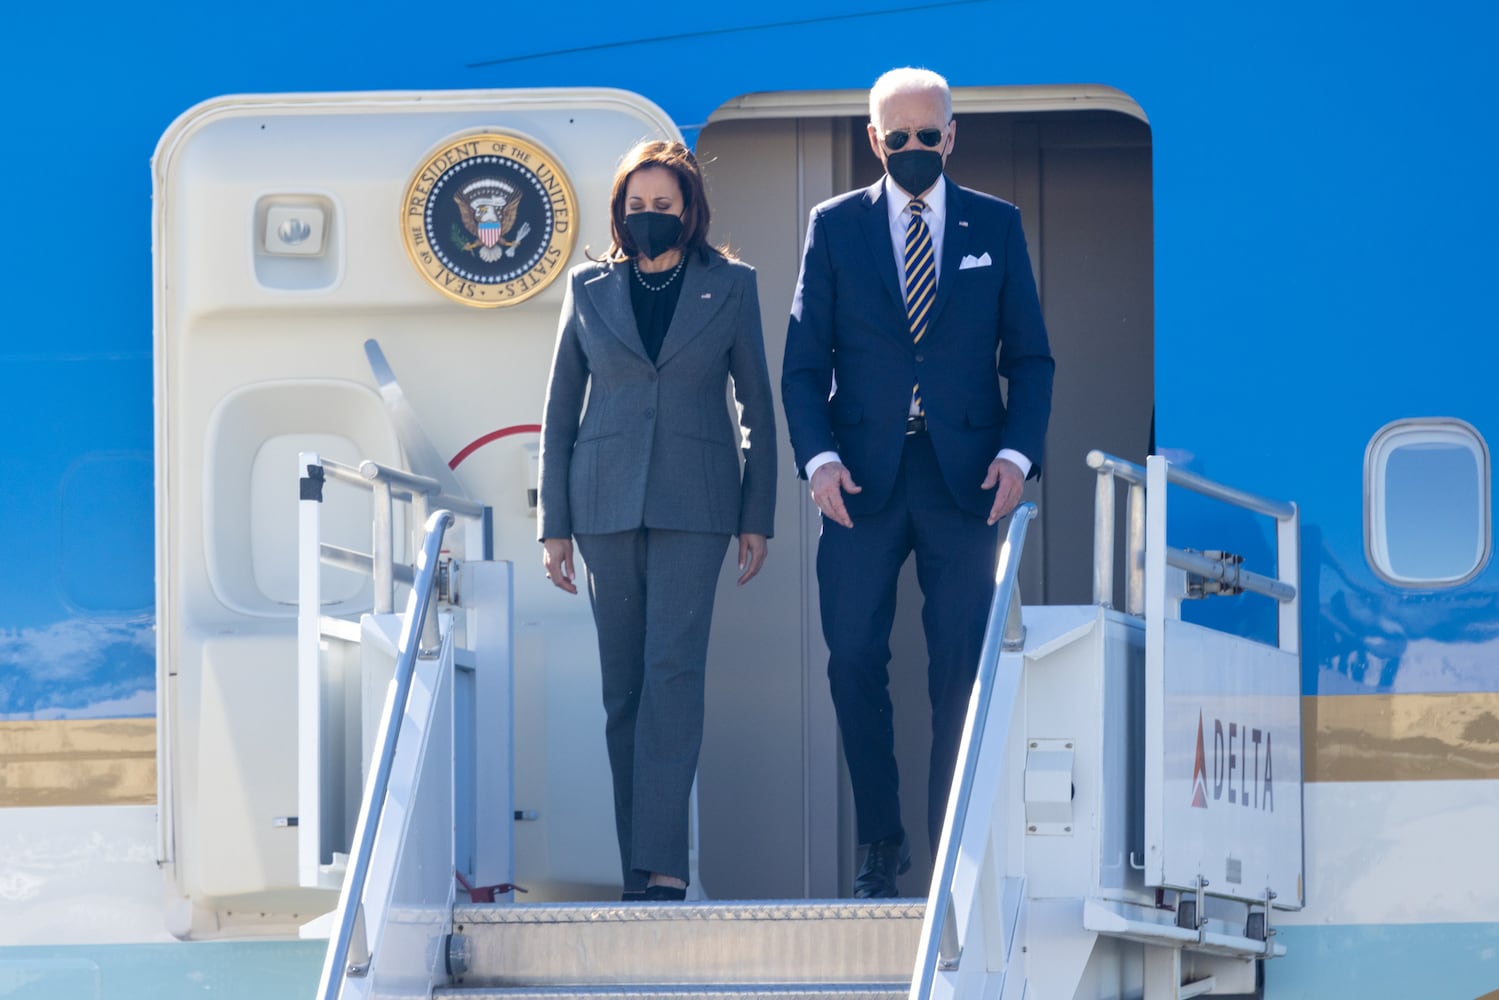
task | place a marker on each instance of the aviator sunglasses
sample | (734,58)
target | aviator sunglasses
(897,138)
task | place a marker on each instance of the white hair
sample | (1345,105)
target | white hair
(908,80)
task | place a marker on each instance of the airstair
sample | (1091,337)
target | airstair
(1125,819)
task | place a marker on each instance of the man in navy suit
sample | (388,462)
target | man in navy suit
(915,297)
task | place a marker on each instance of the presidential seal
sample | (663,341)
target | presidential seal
(488,219)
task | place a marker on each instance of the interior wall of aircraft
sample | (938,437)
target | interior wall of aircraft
(776,811)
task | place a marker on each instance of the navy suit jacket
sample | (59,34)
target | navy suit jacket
(850,362)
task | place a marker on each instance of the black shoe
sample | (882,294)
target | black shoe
(664,893)
(883,860)
(632,896)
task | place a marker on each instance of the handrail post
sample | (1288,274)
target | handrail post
(381,546)
(309,667)
(420,508)
(1135,574)
(1103,540)
(430,641)
(1288,571)
(1014,626)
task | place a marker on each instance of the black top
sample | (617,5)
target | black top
(654,309)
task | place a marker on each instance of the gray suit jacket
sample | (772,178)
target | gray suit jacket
(657,446)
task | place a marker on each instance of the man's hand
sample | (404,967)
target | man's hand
(829,483)
(752,549)
(557,557)
(1008,484)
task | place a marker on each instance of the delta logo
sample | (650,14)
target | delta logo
(1252,787)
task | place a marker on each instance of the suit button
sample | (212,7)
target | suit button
(649,414)
(920,358)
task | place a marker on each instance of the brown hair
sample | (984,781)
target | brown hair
(678,159)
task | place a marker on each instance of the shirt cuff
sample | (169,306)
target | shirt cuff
(1008,453)
(818,460)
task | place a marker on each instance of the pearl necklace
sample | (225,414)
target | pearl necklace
(670,276)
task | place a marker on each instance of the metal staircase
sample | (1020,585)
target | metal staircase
(1075,860)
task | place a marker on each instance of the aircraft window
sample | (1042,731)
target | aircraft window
(1426,496)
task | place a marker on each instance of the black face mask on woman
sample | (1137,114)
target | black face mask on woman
(654,233)
(915,171)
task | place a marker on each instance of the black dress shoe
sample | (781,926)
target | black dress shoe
(883,860)
(664,893)
(632,896)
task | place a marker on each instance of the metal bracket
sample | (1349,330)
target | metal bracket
(1199,587)
(1048,787)
(1191,914)
(1257,925)
(311,485)
(358,965)
(450,581)
(1202,913)
(949,950)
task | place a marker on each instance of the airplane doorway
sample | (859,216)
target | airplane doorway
(776,812)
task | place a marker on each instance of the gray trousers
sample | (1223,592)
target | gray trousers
(652,594)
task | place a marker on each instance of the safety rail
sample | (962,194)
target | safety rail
(388,485)
(350,902)
(1223,569)
(940,944)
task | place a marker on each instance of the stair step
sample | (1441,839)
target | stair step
(791,991)
(692,949)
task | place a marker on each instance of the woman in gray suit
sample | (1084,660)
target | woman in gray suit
(648,480)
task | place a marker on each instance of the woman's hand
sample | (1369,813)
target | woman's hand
(751,556)
(557,557)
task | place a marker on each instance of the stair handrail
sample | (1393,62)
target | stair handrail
(1003,633)
(350,901)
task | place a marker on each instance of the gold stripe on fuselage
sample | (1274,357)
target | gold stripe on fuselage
(78,762)
(1401,737)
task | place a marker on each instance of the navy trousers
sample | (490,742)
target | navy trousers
(857,573)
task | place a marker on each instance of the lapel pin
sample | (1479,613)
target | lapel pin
(707,295)
(963,222)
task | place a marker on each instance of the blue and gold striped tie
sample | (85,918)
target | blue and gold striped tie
(921,280)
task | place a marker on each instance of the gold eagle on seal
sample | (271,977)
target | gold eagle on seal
(488,207)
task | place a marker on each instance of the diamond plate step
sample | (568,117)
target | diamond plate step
(851,947)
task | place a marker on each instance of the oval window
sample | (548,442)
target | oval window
(1426,502)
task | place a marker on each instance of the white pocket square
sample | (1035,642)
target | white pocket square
(969,260)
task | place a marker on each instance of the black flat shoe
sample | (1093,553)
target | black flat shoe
(632,896)
(664,893)
(883,860)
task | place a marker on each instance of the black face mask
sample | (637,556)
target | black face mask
(915,171)
(654,233)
